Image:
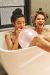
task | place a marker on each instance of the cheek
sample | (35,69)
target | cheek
(16,26)
(44,21)
(36,22)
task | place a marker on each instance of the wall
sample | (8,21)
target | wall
(44,4)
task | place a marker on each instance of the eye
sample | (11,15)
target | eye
(43,19)
(18,22)
(38,18)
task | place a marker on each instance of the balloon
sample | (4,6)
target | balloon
(26,36)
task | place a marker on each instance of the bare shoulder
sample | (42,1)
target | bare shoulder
(47,30)
(8,34)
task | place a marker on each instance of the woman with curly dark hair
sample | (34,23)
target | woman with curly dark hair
(39,18)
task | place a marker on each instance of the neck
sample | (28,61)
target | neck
(38,30)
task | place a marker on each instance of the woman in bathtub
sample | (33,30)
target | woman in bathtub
(38,20)
(18,21)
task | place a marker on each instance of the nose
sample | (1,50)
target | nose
(41,21)
(23,24)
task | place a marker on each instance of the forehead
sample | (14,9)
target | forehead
(40,16)
(20,19)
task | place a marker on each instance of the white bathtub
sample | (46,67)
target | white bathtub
(28,61)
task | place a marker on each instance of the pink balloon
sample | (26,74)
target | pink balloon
(26,36)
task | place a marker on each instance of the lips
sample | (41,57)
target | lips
(21,27)
(40,25)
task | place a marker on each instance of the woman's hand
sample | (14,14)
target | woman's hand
(7,35)
(17,32)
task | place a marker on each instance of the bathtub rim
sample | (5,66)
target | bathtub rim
(6,50)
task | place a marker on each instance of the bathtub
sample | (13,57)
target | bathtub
(27,61)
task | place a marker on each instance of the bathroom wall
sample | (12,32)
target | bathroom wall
(6,8)
(44,4)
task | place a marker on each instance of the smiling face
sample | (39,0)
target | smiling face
(19,23)
(40,21)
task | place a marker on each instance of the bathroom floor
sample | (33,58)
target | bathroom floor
(2,70)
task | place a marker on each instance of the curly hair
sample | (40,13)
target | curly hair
(40,11)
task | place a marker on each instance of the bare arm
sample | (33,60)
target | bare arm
(8,41)
(10,44)
(15,45)
(41,42)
